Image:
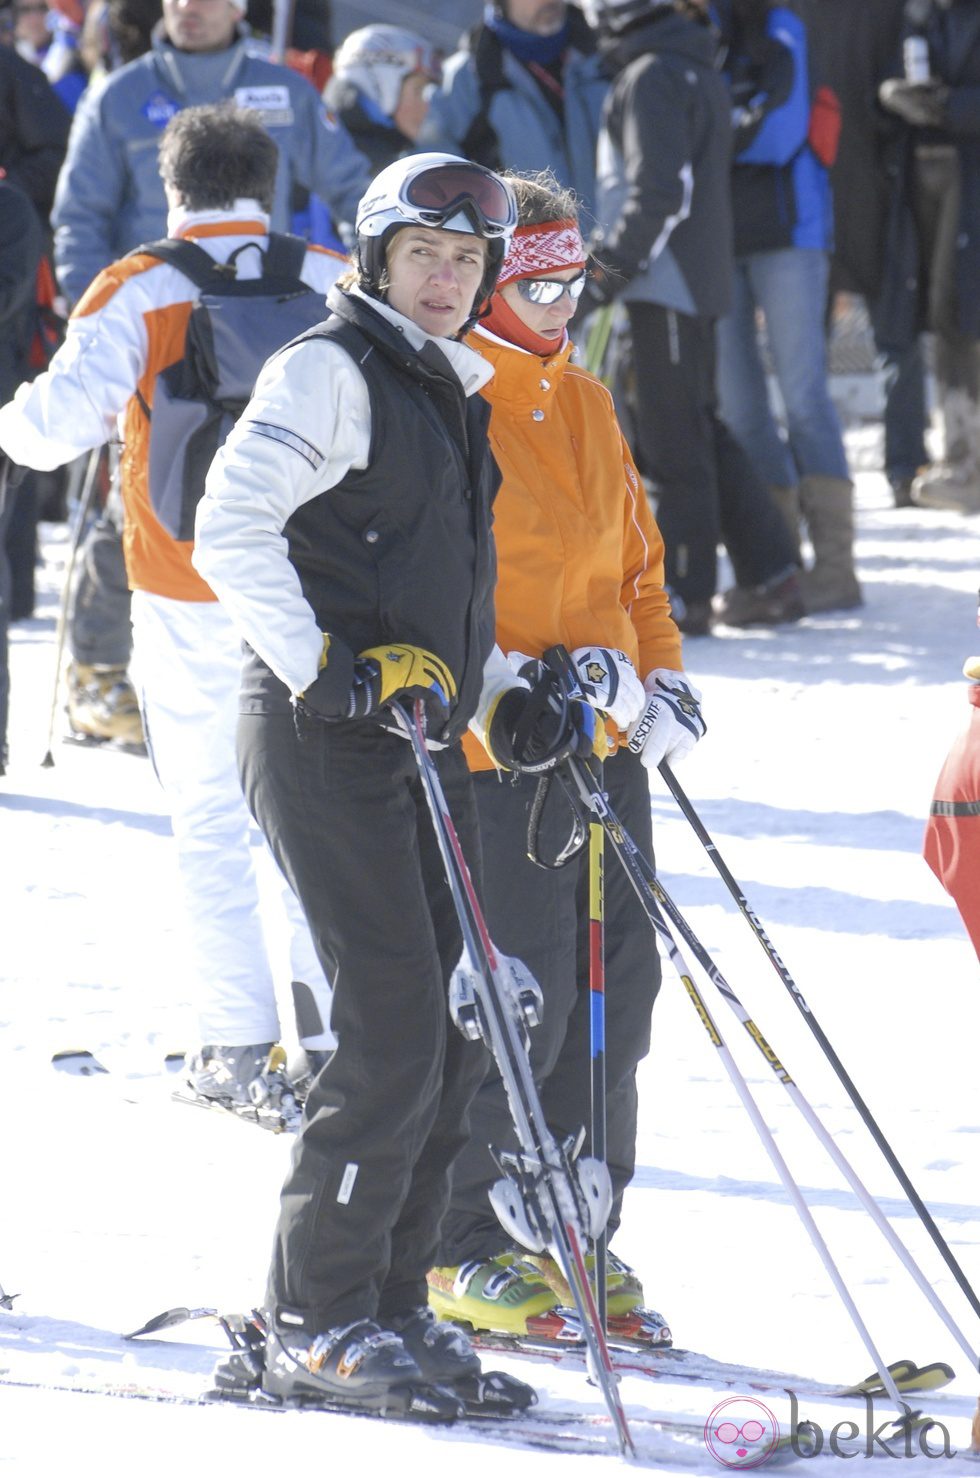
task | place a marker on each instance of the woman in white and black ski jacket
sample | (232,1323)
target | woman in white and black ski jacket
(347,528)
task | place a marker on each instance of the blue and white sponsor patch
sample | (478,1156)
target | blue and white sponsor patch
(273,104)
(159,109)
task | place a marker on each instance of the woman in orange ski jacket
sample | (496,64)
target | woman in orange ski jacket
(580,563)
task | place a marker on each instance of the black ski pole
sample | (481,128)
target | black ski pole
(553,1198)
(916,1201)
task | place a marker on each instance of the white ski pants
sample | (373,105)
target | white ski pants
(188,669)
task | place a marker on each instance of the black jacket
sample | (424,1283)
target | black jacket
(34,126)
(403,550)
(665,167)
(20,252)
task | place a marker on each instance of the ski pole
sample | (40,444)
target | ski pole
(816,1124)
(543,1157)
(85,499)
(597,1036)
(915,1200)
(597,342)
(587,793)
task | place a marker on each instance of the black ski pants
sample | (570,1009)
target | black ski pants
(345,816)
(542,918)
(706,488)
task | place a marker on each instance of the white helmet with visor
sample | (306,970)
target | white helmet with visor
(440,191)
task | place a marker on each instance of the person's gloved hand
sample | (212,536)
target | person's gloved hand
(601,287)
(532,730)
(671,723)
(357,687)
(610,683)
(922,104)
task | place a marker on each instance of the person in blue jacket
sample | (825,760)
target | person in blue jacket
(525,93)
(785,135)
(110,197)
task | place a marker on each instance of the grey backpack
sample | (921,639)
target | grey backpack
(234,327)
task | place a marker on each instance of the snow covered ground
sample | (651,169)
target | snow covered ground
(815,778)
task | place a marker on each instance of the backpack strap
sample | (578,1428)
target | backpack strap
(285,255)
(187,257)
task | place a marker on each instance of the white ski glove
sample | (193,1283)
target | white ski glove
(671,723)
(610,683)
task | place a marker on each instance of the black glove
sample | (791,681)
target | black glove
(921,104)
(357,687)
(531,730)
(601,287)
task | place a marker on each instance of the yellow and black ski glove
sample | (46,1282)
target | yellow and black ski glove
(357,687)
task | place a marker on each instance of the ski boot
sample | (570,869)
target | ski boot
(504,1294)
(359,1367)
(303,1068)
(626,1318)
(445,1357)
(248,1081)
(102,705)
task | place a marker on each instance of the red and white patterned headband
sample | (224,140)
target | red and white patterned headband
(537,250)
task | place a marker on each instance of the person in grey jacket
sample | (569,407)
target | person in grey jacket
(110,197)
(524,93)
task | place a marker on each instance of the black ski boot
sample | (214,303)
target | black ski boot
(357,1366)
(446,1357)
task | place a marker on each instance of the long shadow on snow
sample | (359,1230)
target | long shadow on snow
(105,815)
(648,1178)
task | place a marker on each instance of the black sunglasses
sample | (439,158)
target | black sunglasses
(546,291)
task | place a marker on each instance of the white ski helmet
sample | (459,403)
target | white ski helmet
(616,15)
(441,191)
(377,59)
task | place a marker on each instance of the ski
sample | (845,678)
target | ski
(665,1438)
(688,1365)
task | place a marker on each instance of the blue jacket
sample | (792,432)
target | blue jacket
(517,127)
(780,190)
(110,197)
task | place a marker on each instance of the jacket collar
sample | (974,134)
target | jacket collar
(522,381)
(467,367)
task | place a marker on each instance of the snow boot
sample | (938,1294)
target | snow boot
(102,704)
(831,585)
(503,1294)
(777,603)
(357,1365)
(955,486)
(787,500)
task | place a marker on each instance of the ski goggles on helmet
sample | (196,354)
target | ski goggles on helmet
(546,291)
(437,194)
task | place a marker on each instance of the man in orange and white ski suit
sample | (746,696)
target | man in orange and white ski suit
(127,327)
